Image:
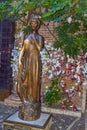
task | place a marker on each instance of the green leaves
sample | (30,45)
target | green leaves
(55,82)
(53,94)
(27,30)
(58,11)
(71,38)
(11,9)
(3,12)
(30,6)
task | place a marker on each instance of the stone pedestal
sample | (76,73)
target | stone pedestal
(29,111)
(13,122)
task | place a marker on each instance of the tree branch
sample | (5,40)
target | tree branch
(22,21)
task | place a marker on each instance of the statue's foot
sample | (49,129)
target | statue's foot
(30,111)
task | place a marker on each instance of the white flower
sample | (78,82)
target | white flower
(50,43)
(39,17)
(50,76)
(58,72)
(66,65)
(72,60)
(62,58)
(52,48)
(75,76)
(44,69)
(51,55)
(78,69)
(55,53)
(45,41)
(52,68)
(69,20)
(63,71)
(50,71)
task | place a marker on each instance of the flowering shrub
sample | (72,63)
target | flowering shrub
(53,94)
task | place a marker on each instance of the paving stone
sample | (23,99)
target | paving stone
(61,122)
(80,124)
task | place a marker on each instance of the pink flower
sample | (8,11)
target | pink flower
(63,108)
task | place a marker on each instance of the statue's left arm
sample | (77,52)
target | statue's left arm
(40,45)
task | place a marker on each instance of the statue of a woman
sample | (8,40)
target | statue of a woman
(29,71)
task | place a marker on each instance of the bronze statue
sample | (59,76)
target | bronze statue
(29,70)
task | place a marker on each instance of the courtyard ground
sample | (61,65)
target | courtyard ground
(59,122)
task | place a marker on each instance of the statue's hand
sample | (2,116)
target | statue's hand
(32,41)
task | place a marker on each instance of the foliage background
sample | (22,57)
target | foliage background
(72,36)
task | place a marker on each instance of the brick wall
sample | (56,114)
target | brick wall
(49,35)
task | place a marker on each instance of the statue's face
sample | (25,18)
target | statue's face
(34,25)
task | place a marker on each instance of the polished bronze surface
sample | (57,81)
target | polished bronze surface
(28,87)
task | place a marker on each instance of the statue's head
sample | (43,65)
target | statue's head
(35,23)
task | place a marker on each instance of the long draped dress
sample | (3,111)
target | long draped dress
(31,80)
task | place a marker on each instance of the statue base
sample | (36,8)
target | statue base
(29,111)
(13,122)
